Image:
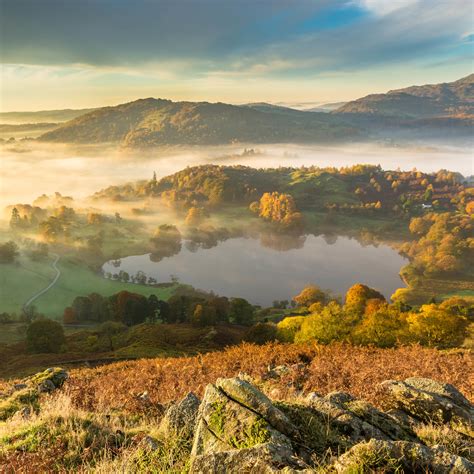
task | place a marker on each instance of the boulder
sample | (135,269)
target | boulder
(262,459)
(430,401)
(180,418)
(356,420)
(400,456)
(239,426)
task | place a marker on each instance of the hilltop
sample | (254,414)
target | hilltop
(151,121)
(452,99)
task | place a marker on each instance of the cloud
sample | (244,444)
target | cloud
(384,7)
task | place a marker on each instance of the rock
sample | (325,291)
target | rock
(239,426)
(43,382)
(180,418)
(357,420)
(22,414)
(400,456)
(51,379)
(262,459)
(430,401)
(250,397)
(46,386)
(151,444)
(19,386)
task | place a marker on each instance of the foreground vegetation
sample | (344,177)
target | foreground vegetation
(117,416)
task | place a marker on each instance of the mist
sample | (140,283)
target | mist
(30,169)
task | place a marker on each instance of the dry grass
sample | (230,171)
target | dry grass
(322,369)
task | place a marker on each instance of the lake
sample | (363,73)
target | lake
(267,269)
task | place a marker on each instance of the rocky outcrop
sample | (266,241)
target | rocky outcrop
(236,421)
(400,456)
(180,418)
(24,395)
(239,429)
(431,402)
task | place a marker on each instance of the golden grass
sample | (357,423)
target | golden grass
(337,367)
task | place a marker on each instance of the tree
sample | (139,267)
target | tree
(331,324)
(82,307)
(45,336)
(204,315)
(309,295)
(288,327)
(15,220)
(357,296)
(69,316)
(8,252)
(434,327)
(241,311)
(382,327)
(110,330)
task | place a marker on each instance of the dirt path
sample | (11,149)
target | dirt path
(53,282)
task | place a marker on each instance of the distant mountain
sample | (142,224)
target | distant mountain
(326,107)
(452,99)
(41,116)
(147,122)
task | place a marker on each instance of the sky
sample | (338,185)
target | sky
(86,53)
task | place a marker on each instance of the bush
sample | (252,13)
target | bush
(45,335)
(261,333)
(288,327)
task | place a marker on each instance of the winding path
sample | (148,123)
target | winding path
(53,282)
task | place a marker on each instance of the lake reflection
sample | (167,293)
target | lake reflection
(266,270)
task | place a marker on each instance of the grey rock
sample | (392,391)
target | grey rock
(357,420)
(263,459)
(403,456)
(180,418)
(430,401)
(240,430)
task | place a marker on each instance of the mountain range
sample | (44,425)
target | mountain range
(435,109)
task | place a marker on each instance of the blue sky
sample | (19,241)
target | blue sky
(71,53)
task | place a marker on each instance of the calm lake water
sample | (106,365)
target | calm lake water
(261,272)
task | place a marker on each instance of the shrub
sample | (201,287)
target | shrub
(288,327)
(261,333)
(45,335)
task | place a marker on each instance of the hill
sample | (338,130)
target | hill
(151,121)
(453,99)
(55,116)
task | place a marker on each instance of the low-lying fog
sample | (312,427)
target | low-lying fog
(30,169)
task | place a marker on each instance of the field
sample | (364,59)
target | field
(20,281)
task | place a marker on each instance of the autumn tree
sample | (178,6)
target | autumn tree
(434,327)
(358,295)
(309,295)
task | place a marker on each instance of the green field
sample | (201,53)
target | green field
(19,281)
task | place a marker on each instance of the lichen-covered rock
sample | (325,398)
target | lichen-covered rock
(430,401)
(237,423)
(27,393)
(180,418)
(400,456)
(248,396)
(262,459)
(48,380)
(356,420)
